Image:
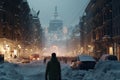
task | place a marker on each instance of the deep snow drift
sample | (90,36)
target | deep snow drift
(104,70)
(8,72)
(107,70)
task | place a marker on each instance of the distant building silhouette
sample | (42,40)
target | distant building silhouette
(55,24)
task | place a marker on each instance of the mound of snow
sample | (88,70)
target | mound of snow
(8,72)
(69,74)
(104,70)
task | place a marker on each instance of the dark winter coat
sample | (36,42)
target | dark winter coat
(53,70)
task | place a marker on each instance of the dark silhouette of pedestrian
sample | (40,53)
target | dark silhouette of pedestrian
(45,60)
(53,69)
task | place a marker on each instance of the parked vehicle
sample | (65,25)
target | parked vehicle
(105,57)
(83,62)
(112,57)
(34,57)
(25,61)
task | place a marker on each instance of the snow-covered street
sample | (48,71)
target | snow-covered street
(32,71)
(107,70)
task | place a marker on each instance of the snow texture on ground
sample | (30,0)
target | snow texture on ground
(8,72)
(107,70)
(104,70)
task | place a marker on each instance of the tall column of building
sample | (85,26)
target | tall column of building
(116,26)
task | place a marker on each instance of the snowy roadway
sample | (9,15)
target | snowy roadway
(36,70)
(108,70)
(32,71)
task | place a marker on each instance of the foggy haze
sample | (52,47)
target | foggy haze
(68,10)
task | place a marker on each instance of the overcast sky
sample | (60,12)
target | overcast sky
(68,10)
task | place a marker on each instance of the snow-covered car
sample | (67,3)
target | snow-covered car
(112,57)
(83,62)
(105,57)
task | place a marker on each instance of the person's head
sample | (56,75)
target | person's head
(53,55)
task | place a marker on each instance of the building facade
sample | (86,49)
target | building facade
(99,32)
(15,27)
(9,27)
(36,31)
(116,26)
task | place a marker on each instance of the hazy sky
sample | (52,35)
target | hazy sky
(69,10)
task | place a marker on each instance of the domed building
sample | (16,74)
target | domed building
(55,29)
(55,36)
(55,24)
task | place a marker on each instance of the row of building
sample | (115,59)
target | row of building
(20,28)
(100,28)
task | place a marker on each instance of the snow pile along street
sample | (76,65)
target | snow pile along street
(68,74)
(32,71)
(8,72)
(104,70)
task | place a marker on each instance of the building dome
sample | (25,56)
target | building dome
(55,24)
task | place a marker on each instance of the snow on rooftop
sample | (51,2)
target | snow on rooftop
(33,12)
(86,58)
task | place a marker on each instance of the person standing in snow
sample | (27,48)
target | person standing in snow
(53,69)
(45,59)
